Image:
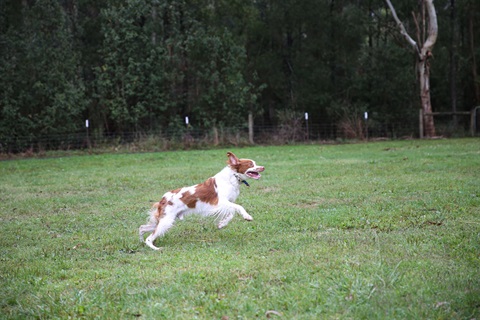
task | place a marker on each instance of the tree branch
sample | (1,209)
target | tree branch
(417,26)
(432,28)
(400,25)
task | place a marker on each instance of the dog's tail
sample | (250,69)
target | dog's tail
(157,211)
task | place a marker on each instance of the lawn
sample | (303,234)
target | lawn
(380,230)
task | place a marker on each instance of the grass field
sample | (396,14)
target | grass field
(384,230)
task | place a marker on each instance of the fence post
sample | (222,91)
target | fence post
(473,121)
(87,124)
(306,122)
(216,141)
(365,116)
(420,123)
(472,125)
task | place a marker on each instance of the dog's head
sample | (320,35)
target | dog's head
(245,167)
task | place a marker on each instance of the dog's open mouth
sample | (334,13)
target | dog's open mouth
(253,174)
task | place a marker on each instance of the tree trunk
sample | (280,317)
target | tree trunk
(424,78)
(250,128)
(476,82)
(453,62)
(423,55)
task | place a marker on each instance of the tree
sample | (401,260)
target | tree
(42,90)
(473,48)
(424,53)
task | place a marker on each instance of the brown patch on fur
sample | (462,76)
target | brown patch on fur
(160,208)
(232,159)
(176,190)
(244,165)
(189,199)
(239,165)
(204,192)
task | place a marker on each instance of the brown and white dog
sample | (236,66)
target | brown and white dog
(214,197)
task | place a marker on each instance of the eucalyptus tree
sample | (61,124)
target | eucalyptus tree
(427,32)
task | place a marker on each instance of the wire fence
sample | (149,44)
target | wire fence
(191,138)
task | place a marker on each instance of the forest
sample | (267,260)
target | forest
(145,65)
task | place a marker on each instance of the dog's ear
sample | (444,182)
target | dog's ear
(232,159)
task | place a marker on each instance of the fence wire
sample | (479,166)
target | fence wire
(235,136)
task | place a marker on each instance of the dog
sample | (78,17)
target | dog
(214,197)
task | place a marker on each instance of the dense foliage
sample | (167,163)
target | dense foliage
(138,65)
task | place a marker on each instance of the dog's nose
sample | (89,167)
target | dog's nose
(260,169)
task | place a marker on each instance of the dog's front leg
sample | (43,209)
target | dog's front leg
(228,212)
(243,212)
(225,220)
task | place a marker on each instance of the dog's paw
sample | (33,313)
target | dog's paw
(155,248)
(151,245)
(222,225)
(248,217)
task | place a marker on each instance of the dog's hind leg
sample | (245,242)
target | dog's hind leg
(144,229)
(165,223)
(158,222)
(155,213)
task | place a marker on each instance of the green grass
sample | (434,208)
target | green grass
(386,230)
